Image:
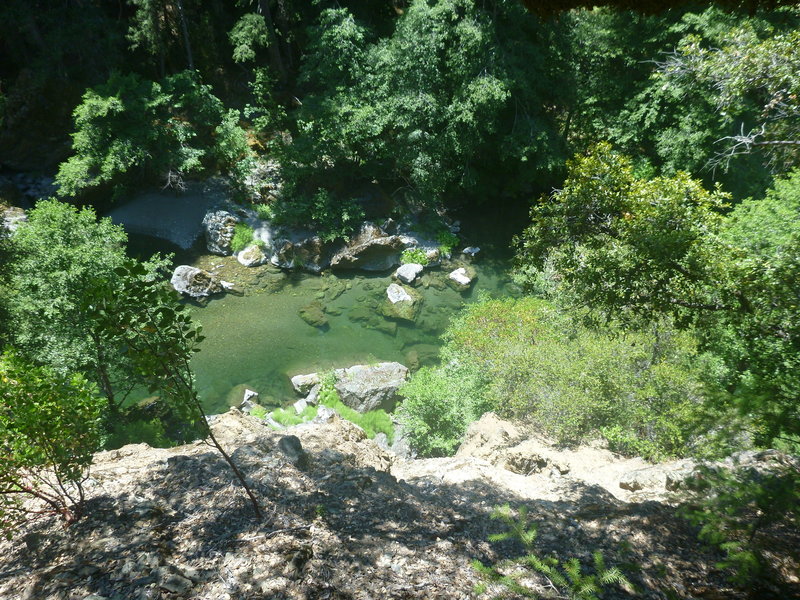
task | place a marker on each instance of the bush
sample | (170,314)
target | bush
(440,403)
(50,425)
(415,256)
(242,237)
(289,416)
(447,241)
(644,391)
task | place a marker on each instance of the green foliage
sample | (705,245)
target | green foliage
(639,250)
(566,576)
(242,237)
(289,416)
(644,391)
(447,241)
(143,318)
(50,425)
(129,127)
(259,412)
(756,85)
(419,105)
(59,254)
(414,256)
(439,403)
(264,211)
(372,422)
(332,217)
(745,514)
(248,35)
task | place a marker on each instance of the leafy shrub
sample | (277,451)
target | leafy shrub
(242,237)
(50,425)
(643,390)
(258,411)
(332,217)
(289,416)
(440,403)
(447,241)
(415,256)
(264,211)
(567,577)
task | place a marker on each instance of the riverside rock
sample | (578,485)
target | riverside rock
(370,250)
(11,217)
(219,226)
(361,387)
(195,282)
(252,256)
(461,279)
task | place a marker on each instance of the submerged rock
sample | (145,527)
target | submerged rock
(461,279)
(314,314)
(195,282)
(219,226)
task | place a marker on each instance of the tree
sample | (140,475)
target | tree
(142,318)
(130,128)
(637,250)
(756,85)
(59,253)
(50,425)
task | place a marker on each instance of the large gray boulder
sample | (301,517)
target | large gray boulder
(361,387)
(195,282)
(294,250)
(219,227)
(408,272)
(370,387)
(370,250)
(461,279)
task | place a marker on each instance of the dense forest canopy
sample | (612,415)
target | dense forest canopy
(657,146)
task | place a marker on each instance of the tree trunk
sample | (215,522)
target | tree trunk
(185,30)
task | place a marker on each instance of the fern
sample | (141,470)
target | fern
(568,576)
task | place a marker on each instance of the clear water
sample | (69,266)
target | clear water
(259,341)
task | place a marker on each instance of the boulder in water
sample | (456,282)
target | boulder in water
(461,279)
(219,225)
(409,272)
(195,282)
(252,256)
(401,303)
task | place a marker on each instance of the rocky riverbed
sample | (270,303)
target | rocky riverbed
(346,519)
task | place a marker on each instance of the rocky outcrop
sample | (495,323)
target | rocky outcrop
(344,515)
(301,252)
(361,387)
(12,217)
(196,283)
(219,227)
(371,249)
(370,387)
